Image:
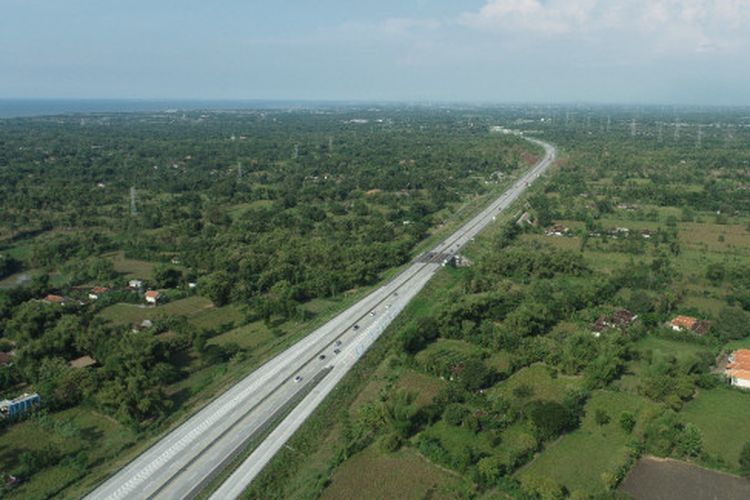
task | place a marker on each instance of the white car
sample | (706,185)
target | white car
(298,378)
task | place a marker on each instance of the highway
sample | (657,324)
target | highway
(293,383)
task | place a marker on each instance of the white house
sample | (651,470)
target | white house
(152,296)
(738,368)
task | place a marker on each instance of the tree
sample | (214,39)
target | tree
(627,421)
(454,414)
(550,419)
(731,324)
(690,441)
(474,375)
(745,460)
(601,417)
(217,287)
(167,276)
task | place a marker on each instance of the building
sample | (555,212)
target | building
(152,296)
(55,299)
(621,318)
(738,368)
(557,230)
(6,358)
(11,408)
(691,324)
(135,284)
(143,325)
(681,323)
(97,292)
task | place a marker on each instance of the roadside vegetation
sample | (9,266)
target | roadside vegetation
(253,228)
(547,367)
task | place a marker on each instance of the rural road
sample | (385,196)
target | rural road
(290,385)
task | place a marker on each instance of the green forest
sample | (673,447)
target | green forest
(252,227)
(548,367)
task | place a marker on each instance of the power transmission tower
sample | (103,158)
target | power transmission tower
(295,153)
(699,139)
(676,130)
(239,171)
(632,128)
(609,123)
(133,208)
(330,144)
(661,132)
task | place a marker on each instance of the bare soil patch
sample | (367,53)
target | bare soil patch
(666,479)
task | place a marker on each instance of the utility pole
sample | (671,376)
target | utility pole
(239,171)
(699,139)
(330,144)
(676,130)
(609,123)
(661,132)
(133,208)
(632,128)
(295,153)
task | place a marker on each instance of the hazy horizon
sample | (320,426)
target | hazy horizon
(661,52)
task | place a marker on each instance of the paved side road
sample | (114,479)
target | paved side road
(182,462)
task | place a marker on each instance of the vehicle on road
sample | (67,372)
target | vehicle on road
(322,356)
(297,378)
(372,313)
(338,343)
(356,327)
(337,351)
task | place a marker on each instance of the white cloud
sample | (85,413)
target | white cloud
(669,25)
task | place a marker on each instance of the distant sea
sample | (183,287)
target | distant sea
(15,108)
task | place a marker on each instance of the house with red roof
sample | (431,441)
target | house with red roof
(688,323)
(152,296)
(738,368)
(55,299)
(97,292)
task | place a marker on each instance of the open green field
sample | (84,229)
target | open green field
(722,416)
(425,387)
(405,474)
(190,307)
(88,436)
(539,379)
(131,268)
(578,460)
(657,347)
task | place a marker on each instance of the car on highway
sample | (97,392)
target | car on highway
(372,313)
(337,351)
(297,378)
(322,356)
(356,327)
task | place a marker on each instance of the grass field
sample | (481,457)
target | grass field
(577,460)
(189,307)
(539,378)
(131,268)
(76,431)
(722,416)
(658,347)
(425,387)
(405,474)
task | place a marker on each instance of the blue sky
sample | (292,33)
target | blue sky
(633,51)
